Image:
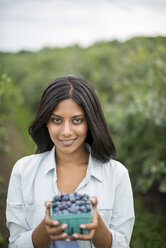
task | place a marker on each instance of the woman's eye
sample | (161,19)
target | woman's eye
(77,121)
(56,120)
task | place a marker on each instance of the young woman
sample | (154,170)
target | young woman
(75,153)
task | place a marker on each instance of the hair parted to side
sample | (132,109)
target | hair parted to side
(79,90)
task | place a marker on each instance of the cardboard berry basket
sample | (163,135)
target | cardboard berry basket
(73,221)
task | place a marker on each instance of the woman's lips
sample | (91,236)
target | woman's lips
(67,142)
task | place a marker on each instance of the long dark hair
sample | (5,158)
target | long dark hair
(79,90)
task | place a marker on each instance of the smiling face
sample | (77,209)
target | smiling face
(67,126)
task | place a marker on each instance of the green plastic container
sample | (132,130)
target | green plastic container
(73,221)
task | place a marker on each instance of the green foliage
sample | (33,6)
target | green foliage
(3,194)
(21,117)
(140,125)
(9,96)
(130,80)
(149,230)
(2,191)
(3,241)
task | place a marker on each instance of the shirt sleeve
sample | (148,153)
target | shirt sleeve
(20,234)
(122,220)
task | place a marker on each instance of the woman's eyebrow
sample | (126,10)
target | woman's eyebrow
(78,115)
(56,115)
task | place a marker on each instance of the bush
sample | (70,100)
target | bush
(149,229)
(9,96)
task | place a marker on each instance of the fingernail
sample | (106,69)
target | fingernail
(75,235)
(93,200)
(55,223)
(82,226)
(64,235)
(64,225)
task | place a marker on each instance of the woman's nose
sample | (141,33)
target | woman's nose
(66,129)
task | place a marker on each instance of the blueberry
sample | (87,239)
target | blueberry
(73,210)
(68,203)
(73,205)
(77,195)
(63,206)
(80,203)
(84,197)
(83,209)
(77,198)
(65,211)
(57,212)
(65,198)
(57,198)
(72,199)
(53,204)
(88,208)
(57,203)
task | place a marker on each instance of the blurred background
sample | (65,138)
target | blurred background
(120,48)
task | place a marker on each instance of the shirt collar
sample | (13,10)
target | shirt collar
(49,161)
(94,166)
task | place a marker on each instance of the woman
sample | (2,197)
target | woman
(74,153)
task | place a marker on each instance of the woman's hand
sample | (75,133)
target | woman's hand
(54,230)
(89,227)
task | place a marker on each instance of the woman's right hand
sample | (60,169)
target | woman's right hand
(54,230)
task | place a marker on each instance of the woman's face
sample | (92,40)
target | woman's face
(67,126)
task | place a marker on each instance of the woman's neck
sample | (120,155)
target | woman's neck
(81,156)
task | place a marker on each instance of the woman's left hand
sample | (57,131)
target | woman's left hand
(89,227)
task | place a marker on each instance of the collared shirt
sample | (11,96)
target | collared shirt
(34,181)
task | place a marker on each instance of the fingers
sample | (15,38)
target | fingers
(58,229)
(78,236)
(57,233)
(94,201)
(91,226)
(48,221)
(59,237)
(54,230)
(88,227)
(47,205)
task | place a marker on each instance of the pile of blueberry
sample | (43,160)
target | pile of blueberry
(71,203)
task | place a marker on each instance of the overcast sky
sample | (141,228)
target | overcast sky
(33,24)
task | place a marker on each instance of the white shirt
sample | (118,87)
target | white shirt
(33,182)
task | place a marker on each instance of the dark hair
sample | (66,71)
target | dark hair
(79,90)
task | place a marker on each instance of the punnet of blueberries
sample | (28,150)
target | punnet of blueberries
(71,204)
(73,209)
